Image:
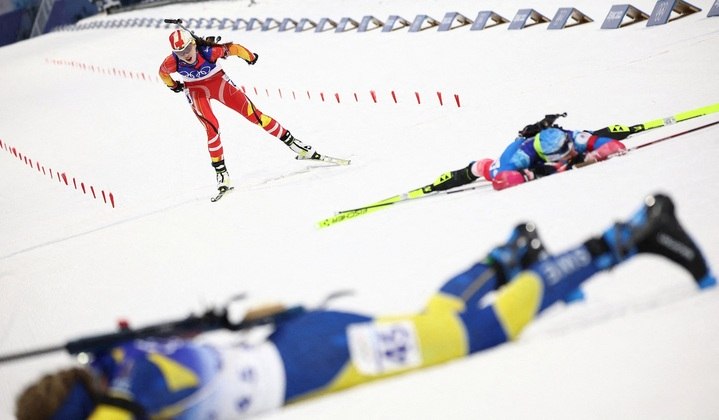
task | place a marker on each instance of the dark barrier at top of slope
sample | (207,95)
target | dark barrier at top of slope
(619,16)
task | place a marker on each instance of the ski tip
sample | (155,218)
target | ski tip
(325,159)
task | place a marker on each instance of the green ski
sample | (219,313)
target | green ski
(621,132)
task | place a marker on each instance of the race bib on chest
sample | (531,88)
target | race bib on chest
(201,69)
(377,349)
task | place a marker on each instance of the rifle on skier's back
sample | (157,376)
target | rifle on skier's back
(210,320)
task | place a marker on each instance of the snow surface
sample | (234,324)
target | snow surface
(89,104)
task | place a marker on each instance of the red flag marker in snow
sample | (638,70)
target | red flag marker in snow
(374,95)
(337,96)
(112,200)
(394,97)
(416,95)
(456,99)
(439,95)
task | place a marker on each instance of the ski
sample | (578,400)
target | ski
(335,160)
(650,143)
(326,159)
(412,195)
(621,132)
(671,136)
(221,194)
(343,215)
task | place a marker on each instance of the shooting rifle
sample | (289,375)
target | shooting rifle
(210,40)
(532,130)
(212,319)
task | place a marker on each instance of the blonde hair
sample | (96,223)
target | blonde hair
(41,400)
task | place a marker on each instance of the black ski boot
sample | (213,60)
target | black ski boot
(655,229)
(223,177)
(523,248)
(304,151)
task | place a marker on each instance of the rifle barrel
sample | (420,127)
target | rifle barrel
(30,353)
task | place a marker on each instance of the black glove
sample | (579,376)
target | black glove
(179,86)
(252,63)
(544,170)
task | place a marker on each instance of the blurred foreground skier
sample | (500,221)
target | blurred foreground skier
(202,79)
(541,149)
(319,351)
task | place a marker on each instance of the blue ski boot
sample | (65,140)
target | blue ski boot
(655,229)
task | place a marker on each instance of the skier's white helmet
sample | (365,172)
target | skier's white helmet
(181,41)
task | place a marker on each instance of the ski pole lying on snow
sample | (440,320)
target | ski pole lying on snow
(212,319)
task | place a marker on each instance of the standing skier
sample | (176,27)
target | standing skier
(202,79)
(541,149)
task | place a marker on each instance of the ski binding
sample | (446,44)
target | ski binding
(221,194)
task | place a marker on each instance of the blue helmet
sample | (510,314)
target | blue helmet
(553,144)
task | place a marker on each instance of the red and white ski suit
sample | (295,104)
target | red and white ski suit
(204,80)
